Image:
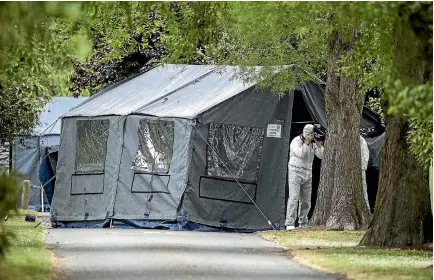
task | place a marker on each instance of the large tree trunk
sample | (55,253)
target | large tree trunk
(402,211)
(402,214)
(340,203)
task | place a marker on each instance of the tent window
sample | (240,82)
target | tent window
(155,146)
(234,151)
(91,147)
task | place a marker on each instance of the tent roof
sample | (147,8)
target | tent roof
(185,91)
(52,111)
(170,90)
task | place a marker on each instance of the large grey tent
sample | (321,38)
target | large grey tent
(31,152)
(177,143)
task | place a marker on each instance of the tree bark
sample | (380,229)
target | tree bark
(340,203)
(402,209)
(402,214)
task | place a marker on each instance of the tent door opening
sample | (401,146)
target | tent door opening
(301,117)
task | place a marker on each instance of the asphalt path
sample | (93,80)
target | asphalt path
(159,254)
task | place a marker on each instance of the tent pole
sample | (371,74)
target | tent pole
(42,199)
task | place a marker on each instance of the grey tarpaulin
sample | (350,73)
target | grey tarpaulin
(371,124)
(375,145)
(29,150)
(313,94)
(181,140)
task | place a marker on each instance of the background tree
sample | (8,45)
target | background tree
(38,44)
(127,40)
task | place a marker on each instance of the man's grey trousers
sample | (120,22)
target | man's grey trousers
(300,191)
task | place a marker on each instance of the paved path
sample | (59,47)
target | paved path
(155,254)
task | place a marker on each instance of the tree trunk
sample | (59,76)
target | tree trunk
(402,210)
(402,214)
(340,203)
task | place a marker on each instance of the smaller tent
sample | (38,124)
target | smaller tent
(35,155)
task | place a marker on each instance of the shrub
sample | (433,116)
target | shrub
(9,191)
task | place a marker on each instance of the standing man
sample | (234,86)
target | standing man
(302,151)
(365,160)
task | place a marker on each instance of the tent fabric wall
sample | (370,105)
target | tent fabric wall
(253,108)
(117,198)
(47,169)
(86,195)
(26,159)
(313,94)
(29,152)
(375,145)
(136,198)
(46,173)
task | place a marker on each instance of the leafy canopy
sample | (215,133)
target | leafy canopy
(38,43)
(300,33)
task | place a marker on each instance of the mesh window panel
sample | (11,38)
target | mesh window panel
(91,147)
(155,147)
(234,151)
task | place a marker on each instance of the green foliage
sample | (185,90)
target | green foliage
(285,33)
(375,105)
(300,33)
(420,139)
(126,40)
(268,34)
(38,43)
(121,27)
(131,37)
(412,101)
(8,202)
(416,104)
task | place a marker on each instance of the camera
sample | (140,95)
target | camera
(318,133)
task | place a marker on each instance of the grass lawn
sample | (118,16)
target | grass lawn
(337,252)
(28,258)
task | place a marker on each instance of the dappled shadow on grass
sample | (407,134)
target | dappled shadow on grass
(314,238)
(337,252)
(366,263)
